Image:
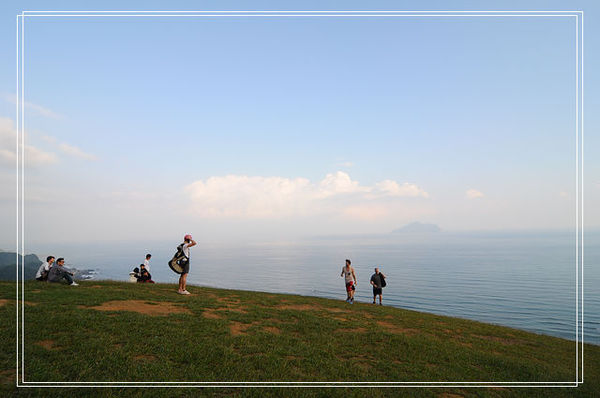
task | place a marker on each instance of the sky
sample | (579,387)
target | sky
(275,128)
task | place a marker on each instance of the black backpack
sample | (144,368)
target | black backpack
(383,284)
(179,260)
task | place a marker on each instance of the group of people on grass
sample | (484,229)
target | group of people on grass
(142,274)
(56,272)
(52,271)
(377,281)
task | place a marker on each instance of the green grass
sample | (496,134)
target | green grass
(227,335)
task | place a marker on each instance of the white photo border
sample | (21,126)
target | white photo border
(20,190)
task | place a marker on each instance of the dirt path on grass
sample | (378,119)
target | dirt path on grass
(151,308)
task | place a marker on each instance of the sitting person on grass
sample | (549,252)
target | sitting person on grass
(42,272)
(134,275)
(58,272)
(145,276)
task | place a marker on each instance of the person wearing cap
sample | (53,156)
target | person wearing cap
(187,243)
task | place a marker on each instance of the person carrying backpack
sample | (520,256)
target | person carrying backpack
(378,282)
(181,262)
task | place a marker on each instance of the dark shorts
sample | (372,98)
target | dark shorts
(41,279)
(376,291)
(350,286)
(185,267)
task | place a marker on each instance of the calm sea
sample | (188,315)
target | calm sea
(526,280)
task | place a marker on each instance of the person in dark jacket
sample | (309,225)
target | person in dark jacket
(58,272)
(145,276)
(376,280)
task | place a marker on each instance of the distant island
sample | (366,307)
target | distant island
(417,228)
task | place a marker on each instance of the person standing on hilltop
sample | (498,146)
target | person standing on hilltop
(350,279)
(185,248)
(378,282)
(147,262)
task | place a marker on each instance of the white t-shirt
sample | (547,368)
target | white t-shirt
(44,267)
(348,274)
(186,250)
(147,265)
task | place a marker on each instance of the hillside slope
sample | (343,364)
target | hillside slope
(113,331)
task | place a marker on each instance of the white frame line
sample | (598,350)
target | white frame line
(20,180)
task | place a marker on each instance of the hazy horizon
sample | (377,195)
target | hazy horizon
(251,129)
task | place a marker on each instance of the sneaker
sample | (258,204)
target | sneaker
(185,292)
(74,284)
(373,302)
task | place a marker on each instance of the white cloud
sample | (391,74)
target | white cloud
(33,156)
(271,197)
(345,164)
(76,152)
(392,188)
(40,110)
(474,194)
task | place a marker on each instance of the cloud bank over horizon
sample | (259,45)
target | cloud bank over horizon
(254,197)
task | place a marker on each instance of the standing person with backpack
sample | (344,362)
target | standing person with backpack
(378,282)
(185,248)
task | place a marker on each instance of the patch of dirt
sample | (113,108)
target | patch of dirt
(8,376)
(367,315)
(228,300)
(390,327)
(3,302)
(272,329)
(48,344)
(339,318)
(142,307)
(148,358)
(210,314)
(240,310)
(292,357)
(337,310)
(465,344)
(32,303)
(35,291)
(297,307)
(96,287)
(450,395)
(352,330)
(238,328)
(498,339)
(117,345)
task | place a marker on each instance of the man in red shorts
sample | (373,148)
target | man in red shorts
(350,279)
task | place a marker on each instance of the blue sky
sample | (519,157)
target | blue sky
(286,126)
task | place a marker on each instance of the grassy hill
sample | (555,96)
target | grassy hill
(112,331)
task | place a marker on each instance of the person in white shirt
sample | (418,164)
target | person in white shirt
(187,243)
(147,262)
(42,272)
(350,279)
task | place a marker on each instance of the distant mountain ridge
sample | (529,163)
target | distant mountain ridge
(417,228)
(8,263)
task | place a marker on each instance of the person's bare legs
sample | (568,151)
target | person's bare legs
(182,282)
(379,300)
